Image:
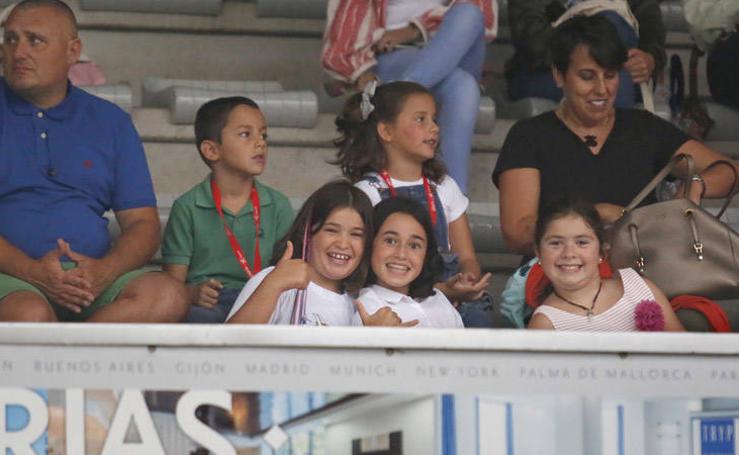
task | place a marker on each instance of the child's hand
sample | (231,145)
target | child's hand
(206,294)
(464,287)
(382,317)
(289,273)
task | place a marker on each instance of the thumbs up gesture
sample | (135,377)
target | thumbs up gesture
(290,273)
(385,317)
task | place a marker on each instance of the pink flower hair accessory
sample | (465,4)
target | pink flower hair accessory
(648,316)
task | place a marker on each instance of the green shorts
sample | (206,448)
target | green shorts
(10,284)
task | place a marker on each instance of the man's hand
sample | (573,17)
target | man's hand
(69,288)
(94,271)
(640,65)
(391,39)
(464,287)
(206,294)
(384,317)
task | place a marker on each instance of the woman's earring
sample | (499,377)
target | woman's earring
(600,260)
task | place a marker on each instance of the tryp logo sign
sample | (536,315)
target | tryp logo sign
(715,435)
(131,410)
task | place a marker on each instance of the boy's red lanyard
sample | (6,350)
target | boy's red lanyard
(238,252)
(426,187)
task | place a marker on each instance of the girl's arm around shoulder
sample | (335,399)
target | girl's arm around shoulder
(540,322)
(672,323)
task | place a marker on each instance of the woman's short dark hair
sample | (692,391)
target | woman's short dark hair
(423,285)
(596,33)
(314,212)
(562,208)
(360,148)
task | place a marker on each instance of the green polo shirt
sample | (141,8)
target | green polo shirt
(195,236)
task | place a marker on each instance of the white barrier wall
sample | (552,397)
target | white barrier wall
(447,392)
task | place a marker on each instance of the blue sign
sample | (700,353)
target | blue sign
(717,436)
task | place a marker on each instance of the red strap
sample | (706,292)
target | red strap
(712,311)
(235,246)
(426,187)
(537,281)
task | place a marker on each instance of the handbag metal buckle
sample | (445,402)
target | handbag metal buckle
(640,264)
(698,247)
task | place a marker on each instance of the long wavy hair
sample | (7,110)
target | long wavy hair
(360,147)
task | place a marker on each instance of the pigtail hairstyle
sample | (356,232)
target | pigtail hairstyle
(360,147)
(312,216)
(423,285)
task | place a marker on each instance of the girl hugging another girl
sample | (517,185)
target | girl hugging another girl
(404,267)
(322,262)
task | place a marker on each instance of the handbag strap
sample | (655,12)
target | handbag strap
(647,97)
(661,176)
(734,188)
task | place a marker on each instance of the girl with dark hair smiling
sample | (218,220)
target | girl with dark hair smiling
(322,263)
(404,267)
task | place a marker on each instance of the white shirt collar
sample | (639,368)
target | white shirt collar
(390,296)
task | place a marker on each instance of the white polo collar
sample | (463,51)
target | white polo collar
(390,296)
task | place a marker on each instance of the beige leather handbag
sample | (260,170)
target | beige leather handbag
(677,244)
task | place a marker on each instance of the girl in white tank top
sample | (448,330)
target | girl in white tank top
(568,244)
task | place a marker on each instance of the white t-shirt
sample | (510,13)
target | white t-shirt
(401,12)
(434,311)
(453,200)
(322,306)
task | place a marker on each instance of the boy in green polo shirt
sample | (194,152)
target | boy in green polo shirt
(211,240)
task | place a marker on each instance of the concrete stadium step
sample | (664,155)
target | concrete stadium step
(208,7)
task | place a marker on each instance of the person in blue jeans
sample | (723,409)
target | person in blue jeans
(529,73)
(449,63)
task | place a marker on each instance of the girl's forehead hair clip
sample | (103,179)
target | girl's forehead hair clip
(366,105)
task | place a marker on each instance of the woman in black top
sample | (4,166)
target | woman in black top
(586,147)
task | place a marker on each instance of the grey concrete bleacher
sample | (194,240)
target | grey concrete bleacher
(210,7)
(296,109)
(486,116)
(119,94)
(157,91)
(304,9)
